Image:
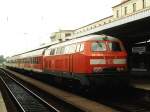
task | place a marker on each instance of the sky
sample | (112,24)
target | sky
(26,24)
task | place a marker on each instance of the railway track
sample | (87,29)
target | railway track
(128,100)
(25,99)
(78,102)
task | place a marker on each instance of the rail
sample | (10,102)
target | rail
(26,100)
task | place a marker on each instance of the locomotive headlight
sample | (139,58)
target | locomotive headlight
(97,61)
(120,69)
(119,61)
(97,69)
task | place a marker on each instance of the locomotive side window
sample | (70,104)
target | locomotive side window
(78,47)
(72,48)
(114,46)
(82,47)
(66,51)
(98,46)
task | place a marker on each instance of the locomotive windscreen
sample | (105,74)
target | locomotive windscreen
(98,46)
(114,46)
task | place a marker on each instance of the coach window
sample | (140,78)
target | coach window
(36,60)
(52,51)
(81,47)
(28,60)
(31,60)
(78,47)
(47,52)
(24,60)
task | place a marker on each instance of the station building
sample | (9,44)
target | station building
(122,10)
(61,35)
(125,9)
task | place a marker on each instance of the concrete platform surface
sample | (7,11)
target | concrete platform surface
(2,104)
(141,84)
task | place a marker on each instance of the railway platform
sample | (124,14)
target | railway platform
(141,83)
(2,104)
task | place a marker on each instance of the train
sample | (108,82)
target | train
(90,60)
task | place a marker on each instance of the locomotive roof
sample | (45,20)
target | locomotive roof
(85,38)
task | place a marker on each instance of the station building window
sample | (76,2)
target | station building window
(117,13)
(67,34)
(125,10)
(144,3)
(134,7)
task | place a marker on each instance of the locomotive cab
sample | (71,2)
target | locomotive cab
(107,56)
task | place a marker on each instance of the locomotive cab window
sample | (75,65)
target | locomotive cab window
(114,46)
(98,46)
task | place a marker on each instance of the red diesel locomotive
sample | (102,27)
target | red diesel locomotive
(89,60)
